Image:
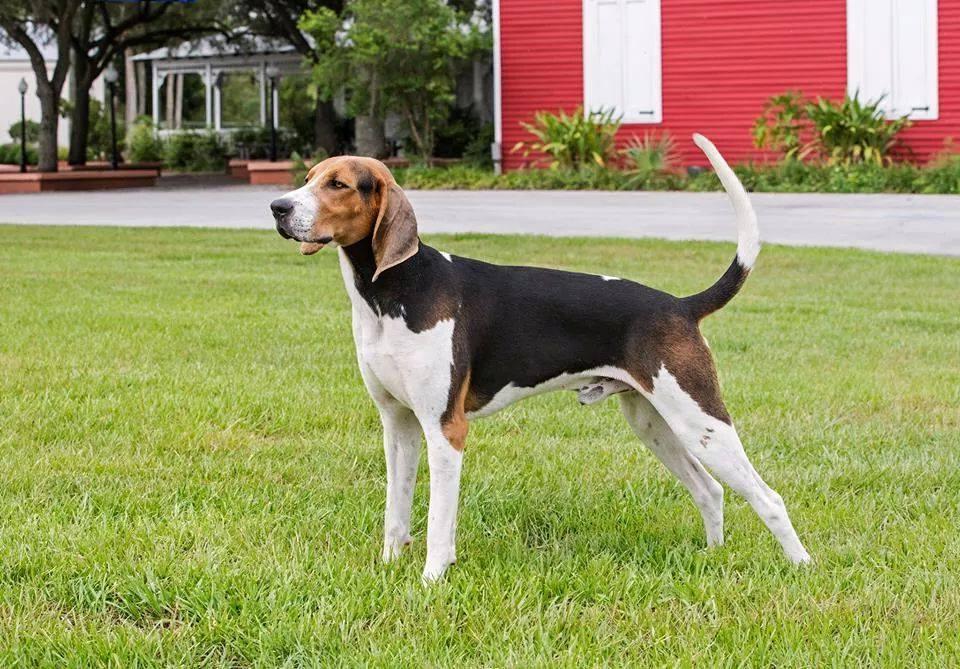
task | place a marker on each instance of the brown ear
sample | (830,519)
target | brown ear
(395,232)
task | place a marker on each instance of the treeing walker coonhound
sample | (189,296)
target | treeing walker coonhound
(443,339)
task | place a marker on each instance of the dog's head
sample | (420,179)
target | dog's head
(345,200)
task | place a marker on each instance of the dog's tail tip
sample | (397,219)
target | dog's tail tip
(748,235)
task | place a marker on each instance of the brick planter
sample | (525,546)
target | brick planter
(42,182)
(266,173)
(237,168)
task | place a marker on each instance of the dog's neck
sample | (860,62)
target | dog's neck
(387,294)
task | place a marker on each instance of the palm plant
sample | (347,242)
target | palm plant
(572,141)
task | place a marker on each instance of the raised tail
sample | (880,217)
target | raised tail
(748,238)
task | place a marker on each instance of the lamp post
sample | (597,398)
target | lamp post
(23,124)
(272,74)
(111,75)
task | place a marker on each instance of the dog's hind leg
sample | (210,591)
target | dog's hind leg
(401,446)
(715,443)
(656,434)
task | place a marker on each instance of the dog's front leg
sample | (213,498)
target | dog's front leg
(445,464)
(401,446)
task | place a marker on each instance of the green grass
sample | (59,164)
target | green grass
(192,472)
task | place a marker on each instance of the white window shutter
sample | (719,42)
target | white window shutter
(621,58)
(892,52)
(641,86)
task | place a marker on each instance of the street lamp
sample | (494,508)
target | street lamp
(272,74)
(23,124)
(110,75)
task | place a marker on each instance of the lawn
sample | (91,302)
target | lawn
(192,472)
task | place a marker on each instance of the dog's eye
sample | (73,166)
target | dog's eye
(339,185)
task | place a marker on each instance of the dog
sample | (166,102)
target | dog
(442,340)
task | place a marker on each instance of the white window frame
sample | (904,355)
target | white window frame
(856,59)
(588,55)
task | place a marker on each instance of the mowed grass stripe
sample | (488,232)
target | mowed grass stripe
(192,472)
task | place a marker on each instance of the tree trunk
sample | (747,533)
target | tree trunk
(49,121)
(324,128)
(369,136)
(79,116)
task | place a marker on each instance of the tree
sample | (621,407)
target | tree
(394,55)
(102,31)
(279,19)
(32,24)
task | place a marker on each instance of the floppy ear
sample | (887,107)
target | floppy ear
(395,232)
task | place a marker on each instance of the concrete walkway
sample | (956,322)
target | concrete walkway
(905,223)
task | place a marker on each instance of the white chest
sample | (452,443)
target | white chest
(412,367)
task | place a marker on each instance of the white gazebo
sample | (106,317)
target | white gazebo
(212,61)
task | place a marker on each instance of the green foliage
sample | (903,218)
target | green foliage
(10,154)
(572,141)
(943,176)
(652,156)
(782,124)
(477,151)
(33,132)
(395,55)
(254,142)
(143,143)
(456,132)
(195,152)
(854,132)
(846,133)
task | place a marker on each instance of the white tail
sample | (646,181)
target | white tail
(748,234)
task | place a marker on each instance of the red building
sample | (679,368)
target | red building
(685,66)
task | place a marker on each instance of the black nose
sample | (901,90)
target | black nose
(281,207)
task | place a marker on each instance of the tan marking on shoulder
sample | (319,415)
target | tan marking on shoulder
(455,424)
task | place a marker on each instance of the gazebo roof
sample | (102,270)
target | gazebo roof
(217,48)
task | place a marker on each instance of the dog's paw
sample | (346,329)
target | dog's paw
(393,548)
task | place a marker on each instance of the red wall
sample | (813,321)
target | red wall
(721,61)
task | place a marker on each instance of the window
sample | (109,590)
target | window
(621,58)
(892,52)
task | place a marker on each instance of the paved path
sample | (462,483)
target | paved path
(907,223)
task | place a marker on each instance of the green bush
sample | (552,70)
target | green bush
(653,156)
(195,152)
(143,143)
(854,132)
(572,141)
(33,132)
(10,154)
(846,133)
(253,142)
(788,177)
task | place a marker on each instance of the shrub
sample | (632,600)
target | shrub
(847,133)
(10,154)
(143,143)
(33,132)
(854,132)
(253,142)
(644,159)
(477,151)
(782,124)
(573,141)
(195,152)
